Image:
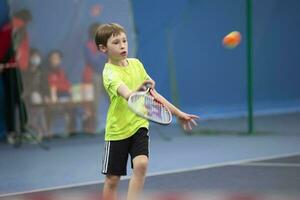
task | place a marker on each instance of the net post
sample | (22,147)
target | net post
(171,67)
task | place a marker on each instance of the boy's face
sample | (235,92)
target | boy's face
(117,47)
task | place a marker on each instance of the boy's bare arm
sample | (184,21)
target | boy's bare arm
(124,91)
(174,110)
(186,119)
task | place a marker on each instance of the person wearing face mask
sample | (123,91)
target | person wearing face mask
(35,84)
(35,93)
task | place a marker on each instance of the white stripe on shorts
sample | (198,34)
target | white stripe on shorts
(106,157)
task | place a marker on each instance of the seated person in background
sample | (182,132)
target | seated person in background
(58,82)
(36,92)
(60,88)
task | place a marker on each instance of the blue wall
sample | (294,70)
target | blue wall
(210,78)
(63,24)
(276,50)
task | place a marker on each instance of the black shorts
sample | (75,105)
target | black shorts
(116,152)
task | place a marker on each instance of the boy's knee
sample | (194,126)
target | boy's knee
(112,181)
(140,165)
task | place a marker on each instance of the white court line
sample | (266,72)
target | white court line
(223,164)
(264,164)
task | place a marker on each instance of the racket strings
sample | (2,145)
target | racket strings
(146,106)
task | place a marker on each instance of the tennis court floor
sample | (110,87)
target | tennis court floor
(277,178)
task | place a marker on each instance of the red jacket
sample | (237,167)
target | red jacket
(87,75)
(23,53)
(6,43)
(58,79)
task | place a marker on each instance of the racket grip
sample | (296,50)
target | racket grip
(148,85)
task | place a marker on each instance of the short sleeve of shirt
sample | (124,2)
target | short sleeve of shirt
(111,81)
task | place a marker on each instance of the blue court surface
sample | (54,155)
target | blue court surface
(211,164)
(276,178)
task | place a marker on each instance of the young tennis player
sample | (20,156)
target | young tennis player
(126,133)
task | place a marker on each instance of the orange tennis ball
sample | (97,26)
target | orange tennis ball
(232,39)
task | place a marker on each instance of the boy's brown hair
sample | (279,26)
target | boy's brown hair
(105,31)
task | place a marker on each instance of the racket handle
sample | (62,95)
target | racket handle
(148,85)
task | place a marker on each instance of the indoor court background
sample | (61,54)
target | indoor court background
(180,44)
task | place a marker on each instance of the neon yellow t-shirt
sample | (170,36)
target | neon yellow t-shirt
(121,122)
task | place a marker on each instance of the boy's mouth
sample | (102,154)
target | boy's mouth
(123,53)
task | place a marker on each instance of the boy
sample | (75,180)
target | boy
(126,133)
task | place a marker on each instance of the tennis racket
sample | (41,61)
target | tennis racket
(146,106)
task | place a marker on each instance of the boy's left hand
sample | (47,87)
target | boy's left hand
(187,120)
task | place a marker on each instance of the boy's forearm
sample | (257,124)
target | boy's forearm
(124,91)
(174,110)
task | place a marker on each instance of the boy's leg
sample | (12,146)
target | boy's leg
(139,153)
(113,166)
(110,187)
(136,183)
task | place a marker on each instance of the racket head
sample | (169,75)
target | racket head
(144,105)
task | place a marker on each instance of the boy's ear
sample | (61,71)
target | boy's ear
(102,48)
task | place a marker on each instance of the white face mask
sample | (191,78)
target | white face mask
(36,60)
